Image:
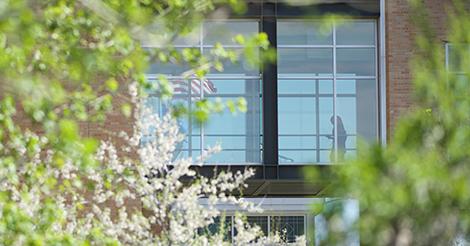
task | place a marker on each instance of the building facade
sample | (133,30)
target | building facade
(331,85)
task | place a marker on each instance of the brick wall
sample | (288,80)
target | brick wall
(400,45)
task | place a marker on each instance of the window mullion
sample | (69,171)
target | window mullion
(270,100)
(335,113)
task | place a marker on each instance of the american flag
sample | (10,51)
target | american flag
(193,86)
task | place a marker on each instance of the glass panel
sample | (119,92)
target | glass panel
(359,112)
(224,32)
(355,62)
(305,61)
(195,154)
(325,86)
(238,134)
(325,142)
(226,142)
(355,33)
(346,86)
(325,156)
(288,226)
(297,149)
(346,110)
(303,33)
(225,122)
(196,141)
(297,142)
(296,115)
(296,87)
(230,86)
(297,156)
(325,114)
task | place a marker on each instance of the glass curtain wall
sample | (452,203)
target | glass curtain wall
(327,89)
(239,134)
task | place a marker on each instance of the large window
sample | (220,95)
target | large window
(239,134)
(287,226)
(327,95)
(456,57)
(327,89)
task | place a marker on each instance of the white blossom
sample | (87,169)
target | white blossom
(137,193)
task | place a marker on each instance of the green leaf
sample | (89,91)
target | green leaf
(112,84)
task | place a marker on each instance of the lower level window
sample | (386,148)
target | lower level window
(288,227)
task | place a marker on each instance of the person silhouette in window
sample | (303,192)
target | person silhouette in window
(342,136)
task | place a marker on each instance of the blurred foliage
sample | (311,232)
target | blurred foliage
(62,63)
(416,189)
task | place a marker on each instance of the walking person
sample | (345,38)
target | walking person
(341,136)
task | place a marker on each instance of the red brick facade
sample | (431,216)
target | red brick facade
(400,47)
